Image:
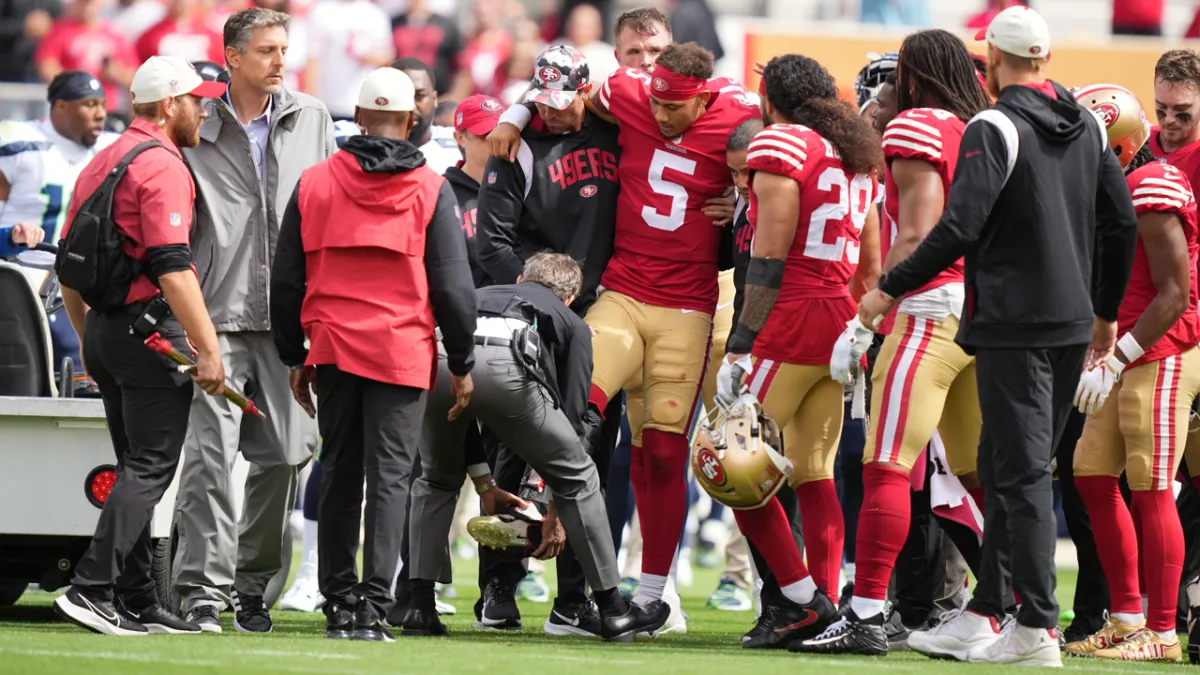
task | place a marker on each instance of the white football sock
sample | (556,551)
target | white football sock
(309,541)
(801,592)
(1130,619)
(1166,635)
(849,573)
(651,587)
(865,608)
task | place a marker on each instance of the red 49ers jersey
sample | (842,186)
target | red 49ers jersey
(1186,159)
(665,249)
(1161,187)
(814,299)
(930,135)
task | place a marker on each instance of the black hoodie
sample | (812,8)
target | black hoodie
(466,191)
(451,295)
(1037,197)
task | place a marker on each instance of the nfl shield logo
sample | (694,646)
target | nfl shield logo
(491,178)
(175,219)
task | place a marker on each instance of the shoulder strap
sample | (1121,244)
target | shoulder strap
(109,186)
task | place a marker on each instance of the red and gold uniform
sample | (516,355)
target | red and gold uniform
(790,374)
(1142,427)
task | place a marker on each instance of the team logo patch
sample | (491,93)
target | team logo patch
(458,119)
(174,85)
(490,105)
(94,84)
(175,219)
(710,466)
(491,178)
(1035,50)
(549,74)
(1109,112)
(381,100)
(587,190)
(659,84)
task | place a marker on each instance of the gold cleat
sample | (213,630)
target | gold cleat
(1113,634)
(1145,645)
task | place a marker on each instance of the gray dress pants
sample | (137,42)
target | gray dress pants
(217,550)
(520,413)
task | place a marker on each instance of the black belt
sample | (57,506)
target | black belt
(489,341)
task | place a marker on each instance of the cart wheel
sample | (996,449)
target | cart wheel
(11,592)
(161,566)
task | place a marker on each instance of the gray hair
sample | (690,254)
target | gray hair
(743,134)
(241,25)
(557,272)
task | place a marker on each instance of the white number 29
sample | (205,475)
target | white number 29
(673,220)
(854,198)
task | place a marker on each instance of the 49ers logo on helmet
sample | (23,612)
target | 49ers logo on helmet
(659,84)
(587,190)
(1109,112)
(711,467)
(549,74)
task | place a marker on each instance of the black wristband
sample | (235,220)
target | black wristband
(765,272)
(741,340)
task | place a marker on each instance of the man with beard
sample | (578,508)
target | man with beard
(435,142)
(39,162)
(146,400)
(257,140)
(1177,107)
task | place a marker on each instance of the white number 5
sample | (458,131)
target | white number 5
(854,197)
(673,220)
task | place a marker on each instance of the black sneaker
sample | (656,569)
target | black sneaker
(849,635)
(582,619)
(783,623)
(639,619)
(157,620)
(250,614)
(205,616)
(98,616)
(897,633)
(368,626)
(339,621)
(499,611)
(423,623)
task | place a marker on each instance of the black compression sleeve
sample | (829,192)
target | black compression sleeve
(170,258)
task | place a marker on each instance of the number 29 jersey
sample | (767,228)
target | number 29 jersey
(665,249)
(814,299)
(40,167)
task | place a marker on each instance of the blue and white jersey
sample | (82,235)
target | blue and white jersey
(441,150)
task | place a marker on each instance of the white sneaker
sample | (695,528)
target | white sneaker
(304,595)
(296,526)
(676,621)
(443,608)
(958,633)
(1022,646)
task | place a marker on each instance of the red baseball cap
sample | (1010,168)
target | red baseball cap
(478,114)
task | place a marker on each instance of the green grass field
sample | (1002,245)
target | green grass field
(34,641)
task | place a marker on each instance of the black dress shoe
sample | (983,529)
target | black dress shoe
(639,619)
(369,626)
(339,621)
(423,622)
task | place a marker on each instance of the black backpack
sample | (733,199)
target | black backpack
(91,260)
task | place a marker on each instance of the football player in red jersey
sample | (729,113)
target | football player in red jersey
(922,380)
(1177,107)
(812,188)
(1139,403)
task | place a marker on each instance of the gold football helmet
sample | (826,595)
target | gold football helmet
(734,455)
(1123,115)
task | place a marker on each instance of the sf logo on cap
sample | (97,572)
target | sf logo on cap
(380,100)
(549,74)
(492,105)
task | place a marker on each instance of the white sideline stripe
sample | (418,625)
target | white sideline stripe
(308,655)
(141,658)
(590,659)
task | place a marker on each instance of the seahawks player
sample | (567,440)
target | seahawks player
(39,162)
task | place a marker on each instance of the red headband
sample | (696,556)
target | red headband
(669,85)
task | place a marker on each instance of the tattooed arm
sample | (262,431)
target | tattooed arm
(778,201)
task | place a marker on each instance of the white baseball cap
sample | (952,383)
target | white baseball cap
(164,76)
(388,89)
(1019,31)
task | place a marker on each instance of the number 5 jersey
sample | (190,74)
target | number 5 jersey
(41,166)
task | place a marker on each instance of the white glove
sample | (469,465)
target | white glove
(729,378)
(846,362)
(1095,384)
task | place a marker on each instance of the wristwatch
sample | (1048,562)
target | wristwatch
(480,489)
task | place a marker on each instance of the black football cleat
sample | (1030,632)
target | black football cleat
(784,623)
(339,621)
(639,619)
(848,635)
(423,623)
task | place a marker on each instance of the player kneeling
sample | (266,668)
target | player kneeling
(1149,383)
(812,187)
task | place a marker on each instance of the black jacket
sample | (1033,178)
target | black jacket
(566,356)
(1037,196)
(466,191)
(560,195)
(735,252)
(450,293)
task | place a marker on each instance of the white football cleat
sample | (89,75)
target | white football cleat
(305,594)
(676,621)
(1022,646)
(958,633)
(443,608)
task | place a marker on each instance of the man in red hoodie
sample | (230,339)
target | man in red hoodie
(372,347)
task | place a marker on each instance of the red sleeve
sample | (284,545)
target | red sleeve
(1160,187)
(50,48)
(915,134)
(147,44)
(783,150)
(625,92)
(166,195)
